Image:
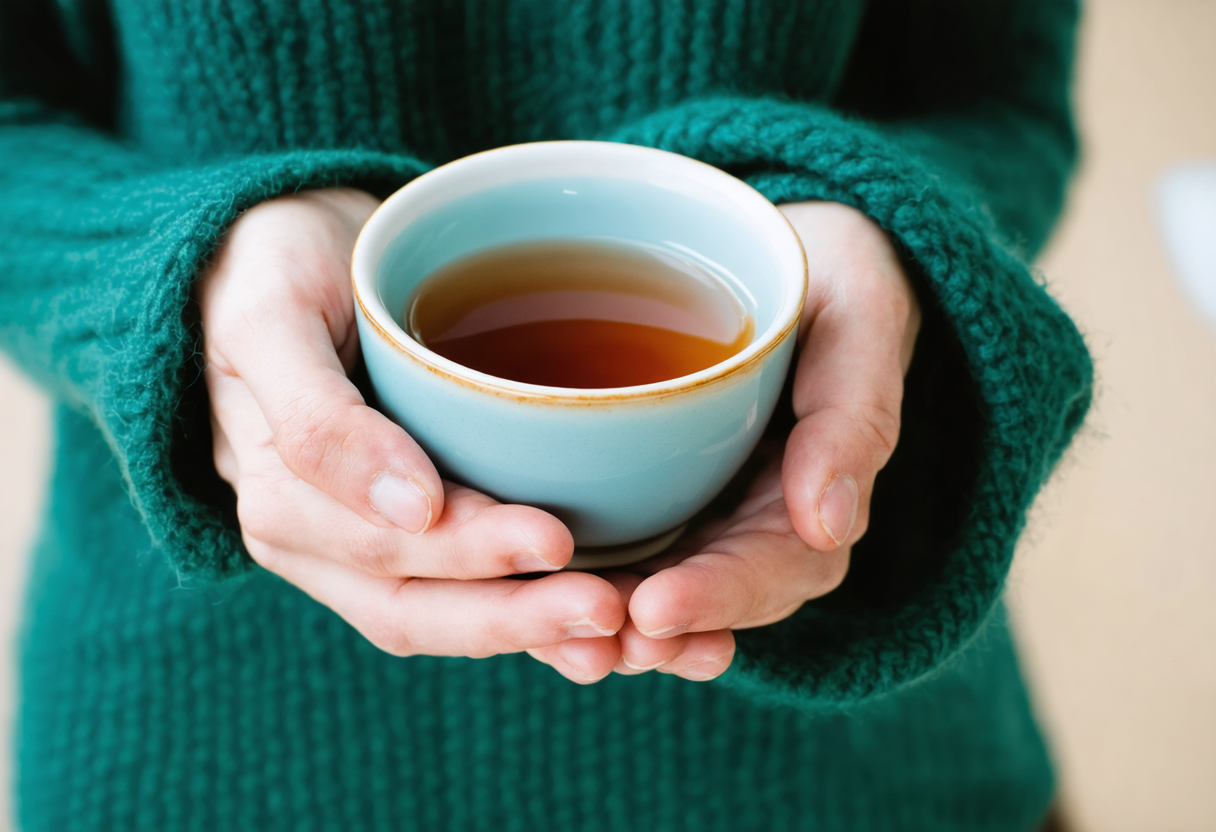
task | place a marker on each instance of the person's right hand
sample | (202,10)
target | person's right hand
(340,501)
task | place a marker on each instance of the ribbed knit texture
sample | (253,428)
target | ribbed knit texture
(168,684)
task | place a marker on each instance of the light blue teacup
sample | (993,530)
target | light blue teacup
(624,468)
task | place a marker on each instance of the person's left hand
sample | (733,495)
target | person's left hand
(789,540)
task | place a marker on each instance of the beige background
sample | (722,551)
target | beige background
(1115,586)
(1114,590)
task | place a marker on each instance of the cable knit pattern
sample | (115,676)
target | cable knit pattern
(168,684)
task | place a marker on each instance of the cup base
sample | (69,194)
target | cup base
(587,558)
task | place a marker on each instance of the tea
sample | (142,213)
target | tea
(579,314)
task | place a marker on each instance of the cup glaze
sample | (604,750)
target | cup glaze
(621,467)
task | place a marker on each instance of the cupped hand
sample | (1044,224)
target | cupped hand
(337,499)
(789,540)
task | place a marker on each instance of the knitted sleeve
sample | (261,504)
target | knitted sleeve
(952,132)
(99,246)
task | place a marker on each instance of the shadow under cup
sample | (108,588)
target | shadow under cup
(621,467)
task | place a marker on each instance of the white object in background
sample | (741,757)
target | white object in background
(1186,211)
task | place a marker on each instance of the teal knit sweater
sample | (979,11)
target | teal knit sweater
(168,684)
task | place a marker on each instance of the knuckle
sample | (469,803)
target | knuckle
(304,280)
(879,424)
(308,436)
(235,313)
(466,554)
(757,603)
(457,564)
(371,561)
(367,550)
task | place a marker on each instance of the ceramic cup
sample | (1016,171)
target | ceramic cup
(624,468)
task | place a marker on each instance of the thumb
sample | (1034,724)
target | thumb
(848,390)
(329,437)
(273,322)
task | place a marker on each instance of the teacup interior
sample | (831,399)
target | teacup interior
(721,236)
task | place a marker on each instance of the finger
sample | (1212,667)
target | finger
(581,660)
(420,616)
(705,656)
(694,656)
(697,657)
(759,573)
(588,660)
(282,340)
(476,537)
(640,654)
(848,385)
(235,416)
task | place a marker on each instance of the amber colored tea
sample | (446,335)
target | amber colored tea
(580,314)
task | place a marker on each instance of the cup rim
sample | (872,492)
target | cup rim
(377,233)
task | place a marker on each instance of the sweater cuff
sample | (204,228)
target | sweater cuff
(154,409)
(1000,382)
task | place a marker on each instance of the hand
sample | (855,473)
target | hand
(337,499)
(789,540)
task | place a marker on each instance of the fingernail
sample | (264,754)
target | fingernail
(401,502)
(582,672)
(838,507)
(586,628)
(665,632)
(706,670)
(532,563)
(633,666)
(574,660)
